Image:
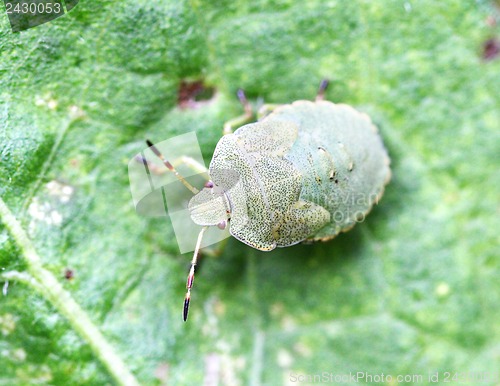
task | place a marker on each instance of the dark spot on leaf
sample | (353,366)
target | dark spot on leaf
(69,274)
(193,94)
(491,48)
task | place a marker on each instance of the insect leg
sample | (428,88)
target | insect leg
(169,166)
(190,278)
(240,120)
(267,109)
(322,88)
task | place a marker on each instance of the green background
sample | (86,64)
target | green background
(413,289)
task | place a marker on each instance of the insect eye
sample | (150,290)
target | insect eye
(222,225)
(209,184)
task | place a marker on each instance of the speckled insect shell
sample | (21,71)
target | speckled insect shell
(306,172)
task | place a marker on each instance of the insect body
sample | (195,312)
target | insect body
(305,172)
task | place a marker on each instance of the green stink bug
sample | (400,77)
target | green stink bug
(304,172)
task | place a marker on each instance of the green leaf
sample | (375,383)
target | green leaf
(412,290)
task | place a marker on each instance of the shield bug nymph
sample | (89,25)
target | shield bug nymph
(303,172)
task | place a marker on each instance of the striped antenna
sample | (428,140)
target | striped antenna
(170,167)
(190,278)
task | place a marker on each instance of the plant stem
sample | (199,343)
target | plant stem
(62,300)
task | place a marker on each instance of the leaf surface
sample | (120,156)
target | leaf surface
(413,289)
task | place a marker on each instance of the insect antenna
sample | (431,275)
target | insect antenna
(190,278)
(322,88)
(170,167)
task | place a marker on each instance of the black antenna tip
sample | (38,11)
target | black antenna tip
(186,309)
(153,148)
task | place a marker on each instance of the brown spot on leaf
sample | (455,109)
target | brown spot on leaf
(491,48)
(69,274)
(192,95)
